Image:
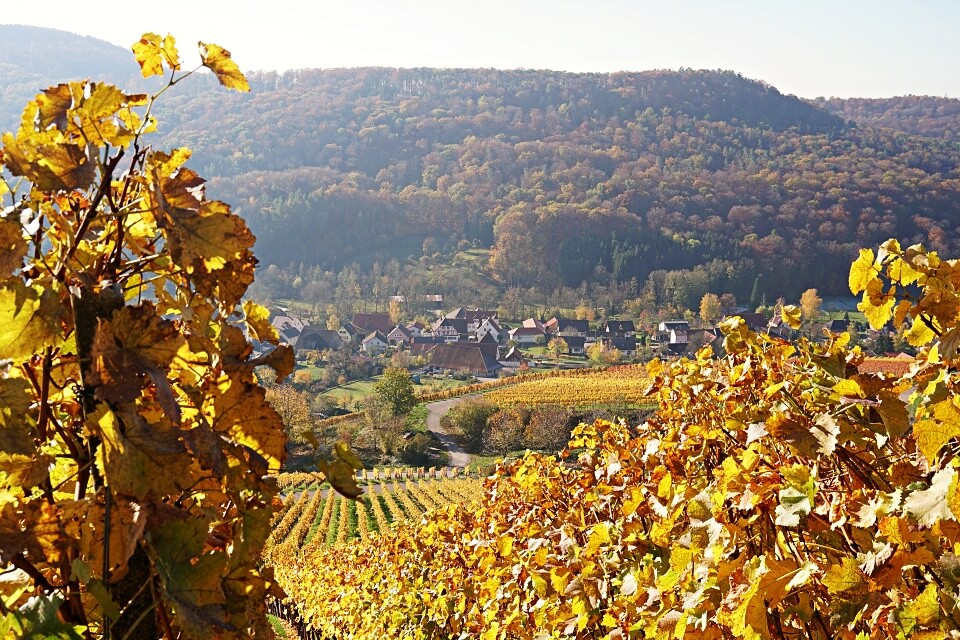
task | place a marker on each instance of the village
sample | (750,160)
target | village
(477,343)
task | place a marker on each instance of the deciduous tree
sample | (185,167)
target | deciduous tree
(810,305)
(395,387)
(557,346)
(710,308)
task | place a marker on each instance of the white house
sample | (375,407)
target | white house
(399,335)
(374,344)
(490,327)
(526,335)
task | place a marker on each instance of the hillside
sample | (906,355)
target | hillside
(33,58)
(665,184)
(921,115)
(572,178)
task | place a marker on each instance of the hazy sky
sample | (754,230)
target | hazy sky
(869,48)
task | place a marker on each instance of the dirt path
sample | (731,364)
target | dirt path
(436,410)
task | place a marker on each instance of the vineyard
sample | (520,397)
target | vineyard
(312,516)
(585,386)
(617,384)
(310,523)
(776,492)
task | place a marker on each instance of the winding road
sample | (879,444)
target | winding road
(435,411)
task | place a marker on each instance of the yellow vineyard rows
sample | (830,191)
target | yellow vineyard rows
(389,499)
(617,384)
(500,383)
(335,519)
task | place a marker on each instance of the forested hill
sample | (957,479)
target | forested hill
(685,181)
(571,177)
(921,115)
(33,58)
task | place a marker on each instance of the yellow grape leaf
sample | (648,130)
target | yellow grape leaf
(862,271)
(49,166)
(899,531)
(632,502)
(218,60)
(343,451)
(877,308)
(791,315)
(13,247)
(900,312)
(893,412)
(901,272)
(29,320)
(257,319)
(843,577)
(135,342)
(151,52)
(950,343)
(341,477)
(280,359)
(919,334)
(211,237)
(798,434)
(931,435)
(925,610)
(599,535)
(53,107)
(239,410)
(889,248)
(927,606)
(137,459)
(84,520)
(848,388)
(749,618)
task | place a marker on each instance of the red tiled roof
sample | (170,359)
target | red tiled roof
(894,366)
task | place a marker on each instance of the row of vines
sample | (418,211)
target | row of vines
(573,375)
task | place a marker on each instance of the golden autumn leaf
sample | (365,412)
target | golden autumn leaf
(139,459)
(218,60)
(843,577)
(152,53)
(53,106)
(49,165)
(257,319)
(207,239)
(280,359)
(341,477)
(862,271)
(13,247)
(748,618)
(84,521)
(876,304)
(920,332)
(30,319)
(239,411)
(932,434)
(791,316)
(136,343)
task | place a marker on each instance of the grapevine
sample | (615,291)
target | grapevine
(776,492)
(343,527)
(387,493)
